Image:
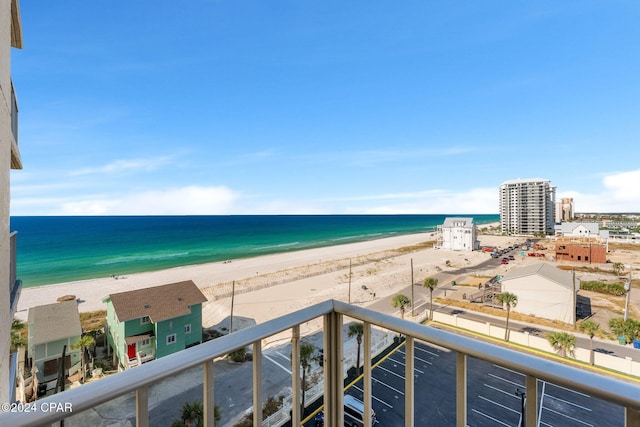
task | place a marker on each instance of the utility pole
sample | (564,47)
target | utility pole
(575,300)
(627,287)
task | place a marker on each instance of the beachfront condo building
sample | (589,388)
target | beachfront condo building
(458,234)
(146,324)
(10,36)
(527,207)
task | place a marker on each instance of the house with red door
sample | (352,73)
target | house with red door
(146,324)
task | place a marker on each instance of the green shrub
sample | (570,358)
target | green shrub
(616,289)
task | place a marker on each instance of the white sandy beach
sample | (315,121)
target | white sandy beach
(326,270)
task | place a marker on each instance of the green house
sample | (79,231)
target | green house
(149,323)
(51,328)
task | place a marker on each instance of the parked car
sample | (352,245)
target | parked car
(512,258)
(505,261)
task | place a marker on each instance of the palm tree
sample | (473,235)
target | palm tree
(563,342)
(590,327)
(17,338)
(400,301)
(508,300)
(193,415)
(431,283)
(357,330)
(83,343)
(306,356)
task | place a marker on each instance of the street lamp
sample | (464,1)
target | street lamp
(522,395)
(627,288)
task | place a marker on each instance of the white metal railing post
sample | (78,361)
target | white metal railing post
(531,408)
(142,406)
(367,372)
(257,383)
(208,397)
(409,362)
(296,414)
(461,389)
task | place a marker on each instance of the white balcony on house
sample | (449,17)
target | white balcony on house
(147,380)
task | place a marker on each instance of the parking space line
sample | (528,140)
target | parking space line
(417,358)
(569,403)
(509,370)
(567,416)
(505,380)
(282,355)
(567,389)
(388,386)
(391,372)
(490,417)
(276,363)
(428,352)
(402,363)
(498,404)
(373,397)
(500,390)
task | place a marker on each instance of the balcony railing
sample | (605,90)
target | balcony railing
(15,285)
(139,380)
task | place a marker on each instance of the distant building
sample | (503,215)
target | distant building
(51,328)
(458,234)
(543,291)
(150,323)
(527,207)
(565,210)
(581,250)
(10,37)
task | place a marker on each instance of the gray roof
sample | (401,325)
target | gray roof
(569,227)
(52,322)
(543,269)
(159,302)
(451,221)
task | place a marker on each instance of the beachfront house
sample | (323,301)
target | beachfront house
(149,323)
(458,234)
(51,328)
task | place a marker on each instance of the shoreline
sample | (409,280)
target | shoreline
(90,292)
(269,286)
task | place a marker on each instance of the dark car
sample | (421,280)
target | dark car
(512,258)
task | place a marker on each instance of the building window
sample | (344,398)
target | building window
(187,329)
(171,339)
(145,342)
(145,320)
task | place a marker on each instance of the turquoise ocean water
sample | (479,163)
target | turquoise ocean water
(62,249)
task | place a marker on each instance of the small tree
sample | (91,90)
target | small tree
(508,300)
(83,343)
(431,283)
(563,342)
(306,356)
(629,329)
(357,330)
(618,268)
(17,336)
(400,301)
(590,327)
(193,415)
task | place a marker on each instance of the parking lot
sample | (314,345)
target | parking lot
(491,401)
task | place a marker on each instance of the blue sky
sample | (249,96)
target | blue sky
(330,107)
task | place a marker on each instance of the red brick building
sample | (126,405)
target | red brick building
(588,252)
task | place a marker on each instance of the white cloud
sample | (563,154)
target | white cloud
(621,194)
(190,200)
(125,165)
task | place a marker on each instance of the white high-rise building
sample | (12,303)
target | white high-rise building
(527,206)
(10,36)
